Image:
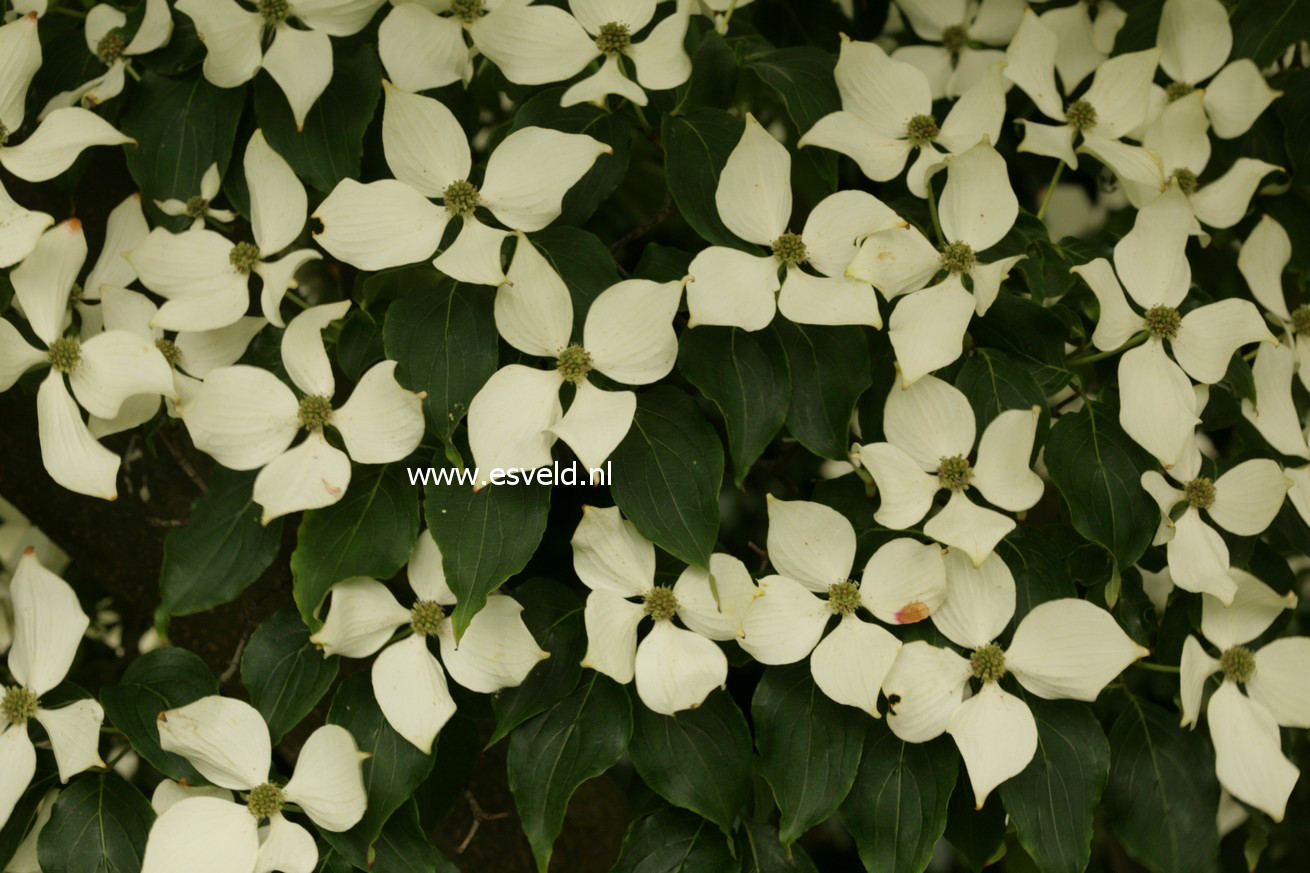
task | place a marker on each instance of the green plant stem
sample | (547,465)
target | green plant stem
(1158,668)
(1050,189)
(71,13)
(1136,340)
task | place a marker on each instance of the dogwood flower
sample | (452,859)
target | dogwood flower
(956,65)
(20,58)
(1062,649)
(228,742)
(1249,758)
(393,222)
(1117,101)
(20,228)
(104,370)
(1273,411)
(628,336)
(738,288)
(299,60)
(887,113)
(1158,407)
(125,229)
(1086,32)
(246,419)
(812,548)
(930,431)
(198,207)
(1262,260)
(1243,501)
(108,42)
(675,668)
(496,651)
(48,626)
(55,144)
(25,858)
(978,208)
(205,277)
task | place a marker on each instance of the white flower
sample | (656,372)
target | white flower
(955,66)
(20,228)
(205,277)
(1262,260)
(300,61)
(675,668)
(812,548)
(1249,759)
(496,651)
(978,208)
(1117,101)
(930,431)
(1158,407)
(25,858)
(48,626)
(227,741)
(393,222)
(887,113)
(56,143)
(20,58)
(1085,42)
(754,200)
(1243,501)
(104,371)
(628,336)
(1062,649)
(108,44)
(198,207)
(125,230)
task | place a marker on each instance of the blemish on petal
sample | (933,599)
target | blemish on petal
(915,610)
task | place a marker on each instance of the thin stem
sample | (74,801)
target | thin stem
(727,16)
(132,72)
(303,304)
(1136,340)
(1159,668)
(1050,189)
(932,210)
(71,13)
(641,116)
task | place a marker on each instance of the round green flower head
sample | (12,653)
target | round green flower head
(426,617)
(614,38)
(789,250)
(315,411)
(111,45)
(1178,90)
(1199,493)
(460,197)
(274,11)
(19,704)
(244,256)
(921,130)
(65,353)
(468,10)
(1186,180)
(265,801)
(958,257)
(196,207)
(660,604)
(955,473)
(1081,115)
(955,39)
(1238,663)
(844,597)
(574,363)
(1162,322)
(987,663)
(169,350)
(1301,318)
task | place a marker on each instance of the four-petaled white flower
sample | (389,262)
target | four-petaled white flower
(1062,649)
(246,418)
(955,65)
(228,743)
(812,548)
(496,650)
(108,43)
(675,668)
(1086,31)
(1249,758)
(421,42)
(930,430)
(198,207)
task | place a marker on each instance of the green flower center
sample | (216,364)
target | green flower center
(574,363)
(1081,115)
(955,473)
(1178,90)
(196,207)
(844,597)
(19,704)
(169,350)
(427,617)
(660,604)
(274,11)
(265,801)
(614,38)
(244,256)
(460,197)
(1301,319)
(1238,663)
(1199,493)
(955,38)
(111,45)
(1162,322)
(987,663)
(315,412)
(958,257)
(790,251)
(1186,180)
(921,130)
(468,10)
(65,353)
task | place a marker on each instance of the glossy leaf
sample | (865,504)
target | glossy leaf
(284,672)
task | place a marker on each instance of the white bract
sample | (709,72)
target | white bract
(421,42)
(1249,758)
(628,336)
(393,222)
(812,548)
(107,41)
(956,65)
(48,626)
(675,668)
(754,200)
(1062,649)
(246,419)
(228,742)
(198,207)
(1263,260)
(1086,31)
(930,430)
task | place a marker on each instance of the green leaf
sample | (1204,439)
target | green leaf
(157,681)
(696,146)
(99,823)
(1051,802)
(369,532)
(670,469)
(553,613)
(583,262)
(830,369)
(27,808)
(1161,799)
(809,747)
(284,672)
(1098,469)
(1263,30)
(221,550)
(713,80)
(1037,564)
(359,345)
(403,848)
(575,740)
(394,769)
(329,148)
(485,537)
(897,808)
(675,841)
(763,852)
(1030,334)
(459,747)
(802,78)
(993,382)
(978,834)
(745,375)
(699,759)
(443,339)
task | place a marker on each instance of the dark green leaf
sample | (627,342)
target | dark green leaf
(763,852)
(994,383)
(713,75)
(459,746)
(802,78)
(696,146)
(979,834)
(1036,562)
(157,681)
(27,809)
(583,262)
(1262,30)
(284,672)
(403,848)
(830,369)
(359,346)
(99,824)
(675,841)
(1029,333)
